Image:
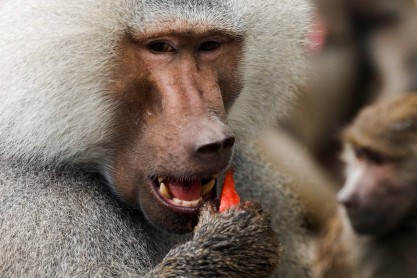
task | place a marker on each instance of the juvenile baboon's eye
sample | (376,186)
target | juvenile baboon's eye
(359,153)
(209,46)
(376,158)
(161,47)
(371,156)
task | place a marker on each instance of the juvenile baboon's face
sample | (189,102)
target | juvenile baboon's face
(375,197)
(174,86)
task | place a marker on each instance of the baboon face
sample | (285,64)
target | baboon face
(380,192)
(174,86)
(375,197)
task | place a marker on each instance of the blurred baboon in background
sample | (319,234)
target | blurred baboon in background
(368,52)
(375,233)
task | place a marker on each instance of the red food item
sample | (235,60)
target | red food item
(229,196)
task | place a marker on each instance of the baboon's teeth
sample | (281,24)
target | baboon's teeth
(164,191)
(177,201)
(187,203)
(208,187)
(192,203)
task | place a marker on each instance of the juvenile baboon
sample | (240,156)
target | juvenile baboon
(148,97)
(375,235)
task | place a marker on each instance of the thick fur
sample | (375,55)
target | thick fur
(56,61)
(58,57)
(65,223)
(91,235)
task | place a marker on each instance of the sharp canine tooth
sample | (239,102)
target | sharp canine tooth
(208,187)
(160,179)
(164,191)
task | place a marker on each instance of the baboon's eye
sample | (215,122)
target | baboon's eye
(209,46)
(160,47)
(359,153)
(371,156)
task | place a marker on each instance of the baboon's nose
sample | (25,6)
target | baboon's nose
(348,201)
(213,140)
(216,146)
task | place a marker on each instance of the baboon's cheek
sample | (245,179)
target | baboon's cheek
(126,181)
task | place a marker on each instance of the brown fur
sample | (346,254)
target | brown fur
(389,128)
(332,255)
(375,235)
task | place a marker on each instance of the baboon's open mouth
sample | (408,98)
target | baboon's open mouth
(184,194)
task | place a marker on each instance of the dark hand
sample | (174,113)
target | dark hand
(236,243)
